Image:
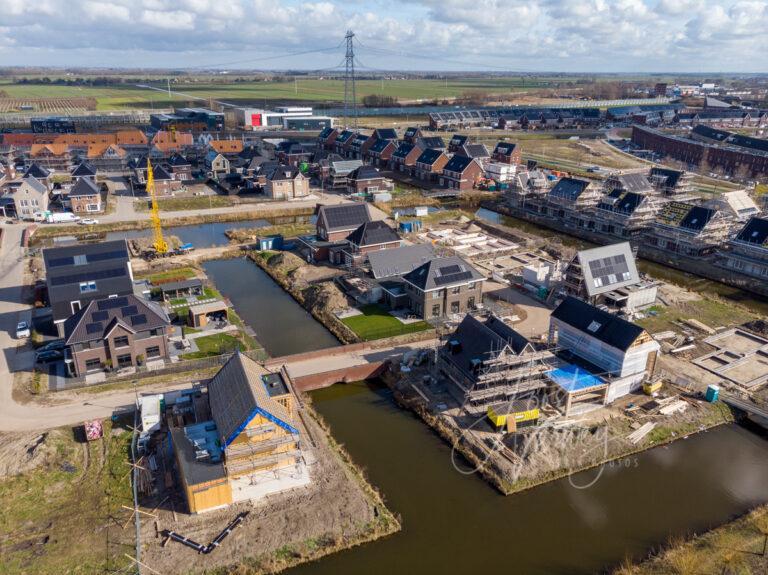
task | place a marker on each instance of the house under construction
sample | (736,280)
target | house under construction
(488,363)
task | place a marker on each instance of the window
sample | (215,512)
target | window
(153,351)
(471,286)
(154,332)
(121,341)
(92,364)
(81,260)
(456,290)
(435,311)
(436,294)
(471,303)
(87,287)
(455,307)
(124,360)
(75,306)
(92,208)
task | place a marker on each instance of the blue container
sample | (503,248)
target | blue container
(271,243)
(713,392)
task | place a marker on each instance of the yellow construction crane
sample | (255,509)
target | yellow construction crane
(160,245)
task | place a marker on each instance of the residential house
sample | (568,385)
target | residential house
(138,170)
(166,143)
(380,153)
(294,153)
(367,238)
(624,214)
(78,274)
(108,157)
(487,363)
(55,157)
(252,435)
(617,353)
(412,134)
(85,197)
(476,151)
(607,275)
(286,183)
(38,172)
(457,142)
(217,165)
(460,173)
(404,158)
(687,229)
(165,183)
(671,182)
(385,134)
(443,286)
(327,138)
(747,252)
(572,201)
(434,142)
(335,223)
(230,149)
(115,332)
(429,165)
(339,171)
(398,261)
(367,180)
(342,142)
(359,145)
(29,196)
(83,171)
(180,168)
(507,153)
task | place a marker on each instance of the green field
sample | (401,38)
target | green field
(258,93)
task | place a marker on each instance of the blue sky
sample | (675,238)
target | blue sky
(494,35)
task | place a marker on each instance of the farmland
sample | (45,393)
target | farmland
(259,93)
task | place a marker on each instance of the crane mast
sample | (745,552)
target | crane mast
(160,245)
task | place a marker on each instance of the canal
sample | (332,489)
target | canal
(282,326)
(208,235)
(456,523)
(661,272)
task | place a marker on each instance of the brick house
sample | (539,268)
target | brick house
(342,142)
(165,184)
(369,237)
(457,142)
(107,158)
(367,179)
(29,196)
(379,153)
(180,168)
(335,223)
(227,148)
(461,173)
(444,286)
(327,138)
(85,198)
(359,146)
(55,157)
(404,158)
(429,165)
(412,134)
(507,153)
(115,333)
(83,171)
(285,183)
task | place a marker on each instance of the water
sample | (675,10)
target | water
(454,523)
(693,282)
(282,326)
(201,235)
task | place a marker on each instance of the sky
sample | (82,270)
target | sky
(488,35)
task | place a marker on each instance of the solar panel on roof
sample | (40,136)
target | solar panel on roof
(107,256)
(138,319)
(87,276)
(129,310)
(112,303)
(99,316)
(610,270)
(450,270)
(452,278)
(58,262)
(94,327)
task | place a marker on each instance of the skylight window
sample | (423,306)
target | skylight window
(593,327)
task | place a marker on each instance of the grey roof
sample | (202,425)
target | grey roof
(36,184)
(671,177)
(385,133)
(195,471)
(505,148)
(160,173)
(284,173)
(177,160)
(458,163)
(436,142)
(603,326)
(606,268)
(429,156)
(83,169)
(474,151)
(403,150)
(365,173)
(66,267)
(37,171)
(373,233)
(345,166)
(343,217)
(479,341)
(399,261)
(442,272)
(185,284)
(237,393)
(84,187)
(637,183)
(569,188)
(99,317)
(380,145)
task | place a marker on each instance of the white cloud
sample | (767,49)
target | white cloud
(611,35)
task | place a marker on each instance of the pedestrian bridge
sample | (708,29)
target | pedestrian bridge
(342,364)
(755,413)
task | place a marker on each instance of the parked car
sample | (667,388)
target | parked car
(88,222)
(48,356)
(56,345)
(22,330)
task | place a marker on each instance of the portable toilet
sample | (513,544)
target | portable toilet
(271,242)
(713,393)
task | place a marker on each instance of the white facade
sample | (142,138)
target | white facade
(500,172)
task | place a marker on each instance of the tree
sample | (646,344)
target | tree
(379,101)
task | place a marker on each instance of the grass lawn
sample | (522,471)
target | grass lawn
(187,203)
(65,516)
(376,323)
(714,313)
(215,344)
(177,274)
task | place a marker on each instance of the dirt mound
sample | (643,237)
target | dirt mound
(22,452)
(325,296)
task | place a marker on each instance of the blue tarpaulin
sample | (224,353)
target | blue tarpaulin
(574,378)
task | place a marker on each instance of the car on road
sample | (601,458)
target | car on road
(22,330)
(88,222)
(49,356)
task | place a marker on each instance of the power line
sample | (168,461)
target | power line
(350,92)
(267,58)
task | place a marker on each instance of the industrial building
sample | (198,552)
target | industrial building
(281,118)
(189,119)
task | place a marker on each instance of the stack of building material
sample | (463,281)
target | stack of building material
(674,407)
(637,436)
